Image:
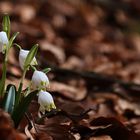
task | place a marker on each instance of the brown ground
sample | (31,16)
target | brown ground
(93,48)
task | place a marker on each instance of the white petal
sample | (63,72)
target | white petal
(22,56)
(39,78)
(3,40)
(45,100)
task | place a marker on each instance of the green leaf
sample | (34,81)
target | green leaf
(46,70)
(30,56)
(20,110)
(18,95)
(33,68)
(18,46)
(12,39)
(9,99)
(2,81)
(6,24)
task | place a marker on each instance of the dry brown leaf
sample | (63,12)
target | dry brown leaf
(73,63)
(7,131)
(123,105)
(55,131)
(68,91)
(101,138)
(26,12)
(6,7)
(52,53)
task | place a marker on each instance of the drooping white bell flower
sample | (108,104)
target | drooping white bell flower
(46,101)
(3,41)
(40,80)
(22,57)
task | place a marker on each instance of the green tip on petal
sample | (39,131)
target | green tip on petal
(50,107)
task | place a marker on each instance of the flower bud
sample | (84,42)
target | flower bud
(22,57)
(46,101)
(40,80)
(3,41)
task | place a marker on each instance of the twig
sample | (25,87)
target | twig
(98,82)
(57,112)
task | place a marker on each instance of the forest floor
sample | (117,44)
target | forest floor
(93,49)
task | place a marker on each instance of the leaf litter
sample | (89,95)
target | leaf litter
(93,50)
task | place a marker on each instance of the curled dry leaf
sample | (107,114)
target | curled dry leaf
(104,137)
(32,134)
(52,131)
(28,133)
(52,53)
(73,63)
(67,91)
(7,132)
(117,130)
(123,105)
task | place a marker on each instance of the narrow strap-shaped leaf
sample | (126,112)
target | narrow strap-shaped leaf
(9,99)
(20,110)
(12,39)
(18,94)
(30,56)
(46,70)
(6,24)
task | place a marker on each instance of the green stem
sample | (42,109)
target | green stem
(23,76)
(2,82)
(18,96)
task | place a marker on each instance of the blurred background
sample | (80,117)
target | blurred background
(92,35)
(88,44)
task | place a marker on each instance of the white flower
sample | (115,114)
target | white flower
(46,101)
(22,57)
(3,41)
(40,80)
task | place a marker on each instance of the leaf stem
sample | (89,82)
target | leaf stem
(18,96)
(23,76)
(2,82)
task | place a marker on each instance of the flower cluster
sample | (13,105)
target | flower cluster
(40,82)
(15,99)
